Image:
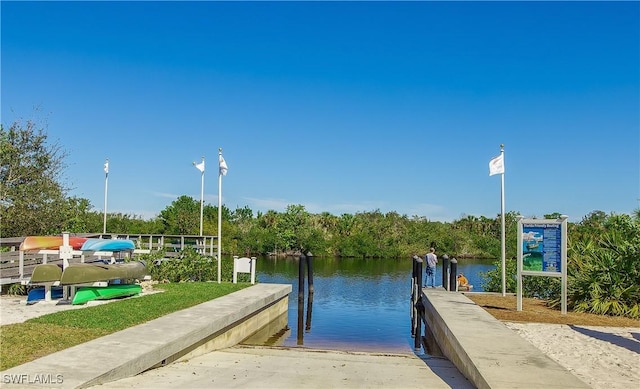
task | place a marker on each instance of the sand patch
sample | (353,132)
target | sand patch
(602,357)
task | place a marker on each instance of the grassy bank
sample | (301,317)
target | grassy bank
(24,342)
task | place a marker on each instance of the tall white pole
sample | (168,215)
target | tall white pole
(502,240)
(106,182)
(201,196)
(219,213)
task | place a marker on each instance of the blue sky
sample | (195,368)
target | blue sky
(342,107)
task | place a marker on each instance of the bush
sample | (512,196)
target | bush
(189,266)
(605,278)
(603,271)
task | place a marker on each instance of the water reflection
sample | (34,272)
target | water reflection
(357,304)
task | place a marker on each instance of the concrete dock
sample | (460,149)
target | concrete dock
(197,348)
(487,352)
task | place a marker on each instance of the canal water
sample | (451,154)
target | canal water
(357,304)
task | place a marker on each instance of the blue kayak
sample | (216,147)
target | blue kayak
(37,294)
(95,244)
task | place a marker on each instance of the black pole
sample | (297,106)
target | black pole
(310,271)
(418,337)
(413,271)
(419,262)
(309,309)
(414,286)
(417,307)
(300,322)
(301,262)
(454,272)
(445,271)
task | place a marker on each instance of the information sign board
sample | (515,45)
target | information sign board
(542,251)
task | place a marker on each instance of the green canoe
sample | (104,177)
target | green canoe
(84,273)
(88,293)
(46,272)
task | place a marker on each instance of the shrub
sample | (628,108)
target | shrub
(605,278)
(189,266)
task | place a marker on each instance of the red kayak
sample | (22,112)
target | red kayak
(49,242)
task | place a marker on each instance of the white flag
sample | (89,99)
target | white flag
(496,165)
(199,166)
(106,167)
(223,166)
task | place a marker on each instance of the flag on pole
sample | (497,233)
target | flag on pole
(106,167)
(496,165)
(199,166)
(223,166)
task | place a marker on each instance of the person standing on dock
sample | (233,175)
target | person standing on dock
(432,261)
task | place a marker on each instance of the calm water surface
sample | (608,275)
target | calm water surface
(360,305)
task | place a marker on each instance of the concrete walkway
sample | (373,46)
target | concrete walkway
(486,351)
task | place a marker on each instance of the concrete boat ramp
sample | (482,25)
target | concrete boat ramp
(264,367)
(198,348)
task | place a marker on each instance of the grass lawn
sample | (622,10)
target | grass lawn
(37,337)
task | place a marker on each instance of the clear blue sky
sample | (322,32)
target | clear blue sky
(339,106)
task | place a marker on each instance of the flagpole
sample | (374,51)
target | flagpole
(106,182)
(219,215)
(503,240)
(201,196)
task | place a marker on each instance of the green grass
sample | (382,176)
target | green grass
(35,338)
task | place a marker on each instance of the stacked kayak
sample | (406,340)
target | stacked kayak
(50,242)
(82,273)
(38,294)
(88,293)
(93,244)
(115,280)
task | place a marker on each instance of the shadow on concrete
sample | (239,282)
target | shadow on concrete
(446,371)
(629,344)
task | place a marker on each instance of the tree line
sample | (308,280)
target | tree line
(35,201)
(603,256)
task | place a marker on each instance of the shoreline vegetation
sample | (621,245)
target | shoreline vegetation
(603,257)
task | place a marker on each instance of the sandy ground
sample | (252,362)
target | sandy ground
(602,357)
(14,309)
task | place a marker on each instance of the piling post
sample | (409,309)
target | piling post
(307,327)
(415,298)
(301,260)
(453,280)
(413,272)
(445,271)
(417,341)
(417,304)
(414,286)
(310,271)
(300,337)
(419,262)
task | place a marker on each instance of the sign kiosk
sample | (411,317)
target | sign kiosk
(542,251)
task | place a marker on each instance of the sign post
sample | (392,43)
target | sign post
(542,251)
